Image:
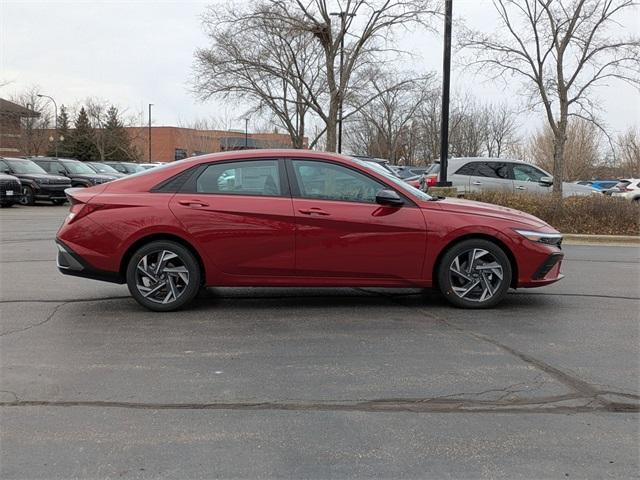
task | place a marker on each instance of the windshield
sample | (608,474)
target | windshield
(403,186)
(24,166)
(102,168)
(78,167)
(133,167)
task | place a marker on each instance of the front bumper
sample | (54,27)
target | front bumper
(51,192)
(70,263)
(547,272)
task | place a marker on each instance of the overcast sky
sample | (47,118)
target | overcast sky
(138,52)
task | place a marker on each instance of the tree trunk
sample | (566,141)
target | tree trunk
(332,127)
(558,158)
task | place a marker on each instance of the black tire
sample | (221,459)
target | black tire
(27,197)
(153,299)
(6,204)
(58,202)
(478,269)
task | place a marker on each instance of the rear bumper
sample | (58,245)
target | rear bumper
(70,263)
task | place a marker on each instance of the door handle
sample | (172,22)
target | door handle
(476,183)
(313,211)
(193,203)
(520,187)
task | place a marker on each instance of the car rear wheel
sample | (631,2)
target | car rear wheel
(27,196)
(163,276)
(474,273)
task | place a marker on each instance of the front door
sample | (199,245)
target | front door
(241,214)
(343,233)
(526,179)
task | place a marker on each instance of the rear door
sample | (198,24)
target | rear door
(343,233)
(488,175)
(241,213)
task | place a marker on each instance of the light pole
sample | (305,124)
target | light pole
(342,16)
(55,109)
(246,133)
(150,105)
(446,81)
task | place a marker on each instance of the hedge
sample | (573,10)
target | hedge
(591,215)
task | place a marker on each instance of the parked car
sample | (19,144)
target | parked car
(480,174)
(148,166)
(604,186)
(125,167)
(104,169)
(296,218)
(10,190)
(381,163)
(628,188)
(80,174)
(36,183)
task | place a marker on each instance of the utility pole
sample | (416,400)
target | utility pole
(342,16)
(55,109)
(150,105)
(246,133)
(446,82)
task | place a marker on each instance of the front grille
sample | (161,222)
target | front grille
(9,185)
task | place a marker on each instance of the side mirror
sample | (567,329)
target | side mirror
(546,181)
(389,197)
(7,171)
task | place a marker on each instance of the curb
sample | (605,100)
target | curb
(620,240)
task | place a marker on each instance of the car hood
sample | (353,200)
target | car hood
(100,176)
(55,179)
(470,207)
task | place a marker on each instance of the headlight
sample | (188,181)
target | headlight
(554,239)
(41,181)
(95,181)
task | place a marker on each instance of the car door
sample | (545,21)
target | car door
(240,212)
(341,232)
(488,175)
(526,178)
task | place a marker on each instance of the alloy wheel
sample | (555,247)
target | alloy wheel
(161,276)
(475,275)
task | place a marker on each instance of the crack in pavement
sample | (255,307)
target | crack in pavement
(581,387)
(551,404)
(49,317)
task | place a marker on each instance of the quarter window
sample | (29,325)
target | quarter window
(327,181)
(260,177)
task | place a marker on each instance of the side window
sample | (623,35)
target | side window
(54,167)
(327,181)
(468,169)
(259,177)
(500,170)
(527,173)
(488,169)
(46,166)
(4,167)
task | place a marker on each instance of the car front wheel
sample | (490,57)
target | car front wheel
(27,196)
(474,273)
(163,276)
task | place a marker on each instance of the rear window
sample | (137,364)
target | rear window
(433,168)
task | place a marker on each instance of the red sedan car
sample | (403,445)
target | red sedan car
(296,218)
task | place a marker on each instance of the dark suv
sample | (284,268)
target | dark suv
(36,183)
(10,190)
(126,167)
(81,175)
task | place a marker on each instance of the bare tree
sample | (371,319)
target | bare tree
(284,54)
(628,146)
(384,126)
(34,137)
(560,50)
(583,154)
(501,129)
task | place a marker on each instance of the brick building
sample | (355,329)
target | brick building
(175,143)
(11,115)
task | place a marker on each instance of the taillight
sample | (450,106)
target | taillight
(432,180)
(79,210)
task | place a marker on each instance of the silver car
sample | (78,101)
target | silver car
(475,174)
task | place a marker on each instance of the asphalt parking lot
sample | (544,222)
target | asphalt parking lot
(315,383)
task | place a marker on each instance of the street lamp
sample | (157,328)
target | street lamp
(150,105)
(446,81)
(342,16)
(55,108)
